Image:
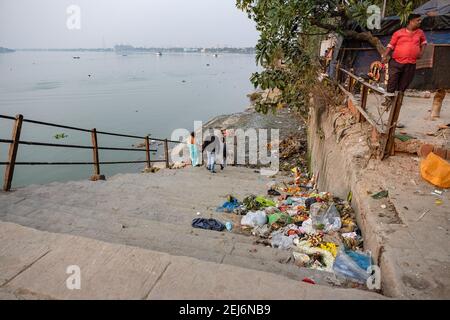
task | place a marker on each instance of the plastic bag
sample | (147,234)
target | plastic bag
(209,224)
(346,267)
(307,227)
(263,202)
(325,218)
(261,231)
(364,260)
(436,170)
(279,240)
(280,217)
(254,218)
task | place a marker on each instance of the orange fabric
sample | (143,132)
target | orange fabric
(436,170)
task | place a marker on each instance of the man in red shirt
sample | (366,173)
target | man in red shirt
(407,45)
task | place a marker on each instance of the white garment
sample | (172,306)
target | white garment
(211,159)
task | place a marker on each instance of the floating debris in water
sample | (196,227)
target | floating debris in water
(60,136)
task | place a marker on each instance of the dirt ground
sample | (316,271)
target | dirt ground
(415,116)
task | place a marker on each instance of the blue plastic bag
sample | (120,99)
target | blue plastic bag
(345,266)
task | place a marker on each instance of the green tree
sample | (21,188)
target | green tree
(290,33)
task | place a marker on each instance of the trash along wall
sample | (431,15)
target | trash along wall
(337,153)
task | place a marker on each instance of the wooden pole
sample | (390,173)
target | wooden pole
(350,84)
(166,152)
(12,153)
(95,152)
(364,94)
(392,123)
(147,151)
(437,104)
(338,67)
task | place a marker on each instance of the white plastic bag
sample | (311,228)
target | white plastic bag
(254,218)
(279,240)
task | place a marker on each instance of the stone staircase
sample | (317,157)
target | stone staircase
(154,211)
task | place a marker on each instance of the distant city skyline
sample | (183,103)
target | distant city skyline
(27,24)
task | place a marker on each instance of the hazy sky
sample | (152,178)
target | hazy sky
(197,23)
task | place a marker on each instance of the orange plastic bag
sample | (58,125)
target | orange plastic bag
(436,170)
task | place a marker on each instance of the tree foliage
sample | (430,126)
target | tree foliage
(290,33)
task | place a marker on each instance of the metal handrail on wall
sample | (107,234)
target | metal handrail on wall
(386,133)
(15,141)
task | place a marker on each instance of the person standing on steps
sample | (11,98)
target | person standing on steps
(407,45)
(224,137)
(193,150)
(211,147)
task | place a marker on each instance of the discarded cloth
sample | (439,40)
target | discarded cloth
(229,206)
(209,224)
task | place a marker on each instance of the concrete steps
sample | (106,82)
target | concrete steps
(154,211)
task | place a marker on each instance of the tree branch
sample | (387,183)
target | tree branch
(350,34)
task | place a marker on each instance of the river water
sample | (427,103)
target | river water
(135,94)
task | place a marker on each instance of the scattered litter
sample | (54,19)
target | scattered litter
(383,206)
(279,219)
(301,259)
(404,137)
(308,280)
(254,218)
(438,202)
(229,206)
(328,220)
(60,136)
(209,224)
(198,213)
(279,240)
(344,266)
(318,229)
(272,192)
(261,231)
(423,214)
(380,195)
(151,170)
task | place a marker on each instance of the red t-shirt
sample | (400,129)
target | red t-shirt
(406,45)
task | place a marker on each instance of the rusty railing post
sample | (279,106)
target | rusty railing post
(12,153)
(147,151)
(364,95)
(166,152)
(96,175)
(350,84)
(392,122)
(338,70)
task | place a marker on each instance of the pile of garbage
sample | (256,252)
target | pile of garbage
(319,229)
(293,151)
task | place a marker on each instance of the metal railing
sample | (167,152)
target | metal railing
(385,121)
(15,141)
